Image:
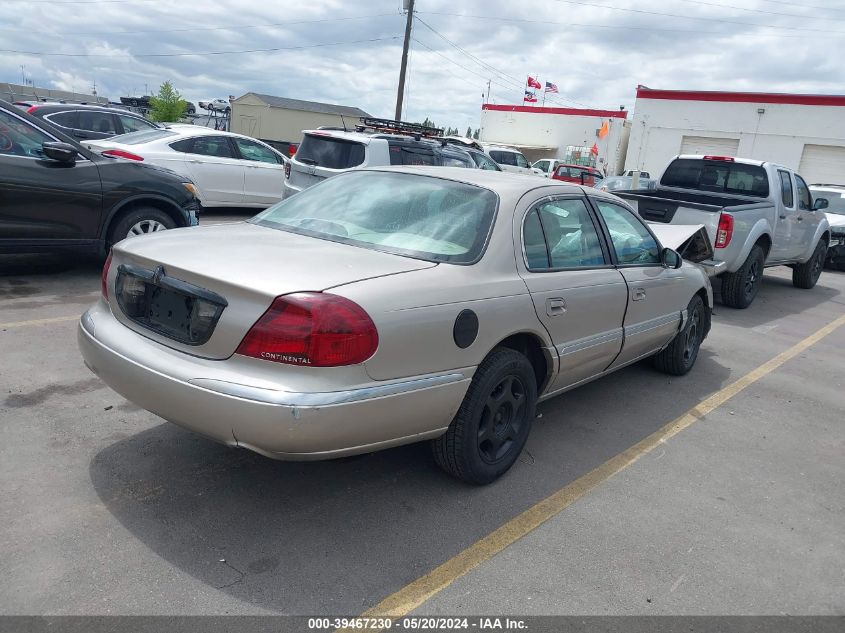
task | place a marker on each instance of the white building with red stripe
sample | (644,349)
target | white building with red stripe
(541,132)
(804,132)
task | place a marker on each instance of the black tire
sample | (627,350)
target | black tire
(740,288)
(679,356)
(490,429)
(807,274)
(150,217)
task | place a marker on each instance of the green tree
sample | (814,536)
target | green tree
(469,132)
(476,133)
(168,105)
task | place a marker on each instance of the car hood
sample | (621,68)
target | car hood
(690,240)
(836,220)
(248,265)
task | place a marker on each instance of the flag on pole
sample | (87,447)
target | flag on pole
(604,129)
(594,150)
(530,97)
(533,83)
(550,87)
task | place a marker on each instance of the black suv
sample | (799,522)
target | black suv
(57,195)
(88,122)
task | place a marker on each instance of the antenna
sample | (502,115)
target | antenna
(342,120)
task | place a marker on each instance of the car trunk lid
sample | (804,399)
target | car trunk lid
(183,275)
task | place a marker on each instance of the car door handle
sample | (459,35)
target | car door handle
(782,217)
(555,306)
(799,219)
(637,294)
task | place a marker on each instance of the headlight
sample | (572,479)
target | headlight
(191,187)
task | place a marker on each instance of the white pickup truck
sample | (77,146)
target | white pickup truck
(757,214)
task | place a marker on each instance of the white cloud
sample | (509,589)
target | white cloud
(595,56)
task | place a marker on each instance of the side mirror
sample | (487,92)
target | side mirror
(670,258)
(820,203)
(61,152)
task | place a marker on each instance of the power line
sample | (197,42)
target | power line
(693,17)
(791,3)
(202,28)
(602,26)
(750,10)
(252,50)
(483,64)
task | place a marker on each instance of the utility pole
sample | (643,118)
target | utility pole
(401,92)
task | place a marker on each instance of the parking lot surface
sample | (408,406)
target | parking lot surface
(110,510)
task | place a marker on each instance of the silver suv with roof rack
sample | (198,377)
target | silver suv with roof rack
(326,152)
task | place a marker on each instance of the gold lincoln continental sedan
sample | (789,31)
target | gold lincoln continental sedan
(389,306)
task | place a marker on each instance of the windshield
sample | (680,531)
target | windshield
(835,199)
(407,214)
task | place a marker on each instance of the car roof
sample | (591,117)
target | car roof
(359,137)
(78,106)
(504,183)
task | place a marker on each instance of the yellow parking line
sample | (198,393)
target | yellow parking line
(4,326)
(419,591)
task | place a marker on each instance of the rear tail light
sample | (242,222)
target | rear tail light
(119,153)
(314,329)
(291,149)
(725,231)
(287,169)
(728,159)
(104,279)
(32,109)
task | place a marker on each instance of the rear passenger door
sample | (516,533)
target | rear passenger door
(656,294)
(577,293)
(216,170)
(787,225)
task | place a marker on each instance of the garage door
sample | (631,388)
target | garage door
(823,164)
(709,145)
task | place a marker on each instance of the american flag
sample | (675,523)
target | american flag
(550,87)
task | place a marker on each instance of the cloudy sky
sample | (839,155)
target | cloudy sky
(596,51)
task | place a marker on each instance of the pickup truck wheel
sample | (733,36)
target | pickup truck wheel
(139,221)
(491,427)
(806,275)
(679,356)
(740,288)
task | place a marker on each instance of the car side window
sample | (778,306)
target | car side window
(250,150)
(185,145)
(542,165)
(503,158)
(631,240)
(786,188)
(102,122)
(561,234)
(18,138)
(483,162)
(134,124)
(217,146)
(68,120)
(406,155)
(521,161)
(803,193)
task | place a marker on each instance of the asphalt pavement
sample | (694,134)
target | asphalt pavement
(107,509)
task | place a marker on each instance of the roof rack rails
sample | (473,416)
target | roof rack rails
(397,127)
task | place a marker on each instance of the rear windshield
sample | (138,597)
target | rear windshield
(407,214)
(327,151)
(719,176)
(835,199)
(145,136)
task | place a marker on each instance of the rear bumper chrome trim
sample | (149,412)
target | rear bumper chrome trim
(325,398)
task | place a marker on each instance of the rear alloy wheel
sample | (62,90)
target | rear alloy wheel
(740,288)
(807,274)
(679,356)
(491,427)
(140,221)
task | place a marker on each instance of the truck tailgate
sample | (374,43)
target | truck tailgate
(668,211)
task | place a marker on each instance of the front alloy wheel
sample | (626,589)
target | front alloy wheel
(145,226)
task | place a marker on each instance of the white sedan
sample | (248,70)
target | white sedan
(229,170)
(220,105)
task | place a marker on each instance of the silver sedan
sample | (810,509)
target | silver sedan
(389,306)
